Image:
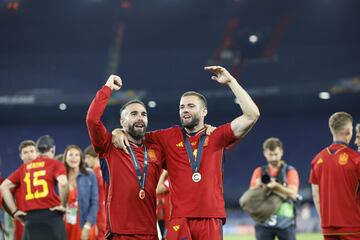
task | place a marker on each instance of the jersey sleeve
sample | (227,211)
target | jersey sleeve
(59,169)
(99,136)
(292,178)
(15,176)
(313,179)
(226,135)
(256,175)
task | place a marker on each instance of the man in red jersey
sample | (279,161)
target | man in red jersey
(335,177)
(357,137)
(27,152)
(42,209)
(131,201)
(92,161)
(194,161)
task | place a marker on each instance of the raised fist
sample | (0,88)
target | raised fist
(114,82)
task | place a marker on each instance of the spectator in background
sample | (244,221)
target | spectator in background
(83,197)
(335,177)
(283,179)
(38,203)
(357,137)
(93,162)
(27,152)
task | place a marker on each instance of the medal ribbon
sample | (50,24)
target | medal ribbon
(195,165)
(141,177)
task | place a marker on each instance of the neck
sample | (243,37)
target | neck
(74,172)
(136,141)
(340,139)
(195,129)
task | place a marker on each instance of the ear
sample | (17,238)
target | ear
(121,122)
(204,112)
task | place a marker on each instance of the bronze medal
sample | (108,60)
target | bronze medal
(142,194)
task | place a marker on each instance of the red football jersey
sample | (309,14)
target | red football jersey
(163,203)
(191,199)
(36,182)
(336,170)
(100,219)
(127,213)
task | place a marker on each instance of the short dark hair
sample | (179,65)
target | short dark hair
(89,150)
(26,143)
(131,102)
(199,95)
(272,143)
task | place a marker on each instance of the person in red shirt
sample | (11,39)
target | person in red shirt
(27,152)
(194,161)
(281,178)
(42,209)
(131,200)
(334,178)
(92,161)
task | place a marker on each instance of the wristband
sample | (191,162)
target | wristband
(15,212)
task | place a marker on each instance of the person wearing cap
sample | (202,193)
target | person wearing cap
(42,208)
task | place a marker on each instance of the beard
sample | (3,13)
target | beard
(137,134)
(193,123)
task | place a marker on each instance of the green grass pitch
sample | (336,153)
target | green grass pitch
(299,236)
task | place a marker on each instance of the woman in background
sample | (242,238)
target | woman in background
(83,197)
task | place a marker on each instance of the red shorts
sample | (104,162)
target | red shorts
(342,237)
(195,229)
(132,237)
(18,230)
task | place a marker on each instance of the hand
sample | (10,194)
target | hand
(120,139)
(59,208)
(209,129)
(85,232)
(19,215)
(272,185)
(222,75)
(114,82)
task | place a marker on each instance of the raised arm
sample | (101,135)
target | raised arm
(242,124)
(97,130)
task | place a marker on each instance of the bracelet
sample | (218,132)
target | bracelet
(15,211)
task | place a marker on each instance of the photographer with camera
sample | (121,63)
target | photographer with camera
(282,180)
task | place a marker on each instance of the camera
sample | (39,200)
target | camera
(265,178)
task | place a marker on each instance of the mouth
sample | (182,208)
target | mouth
(139,125)
(186,116)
